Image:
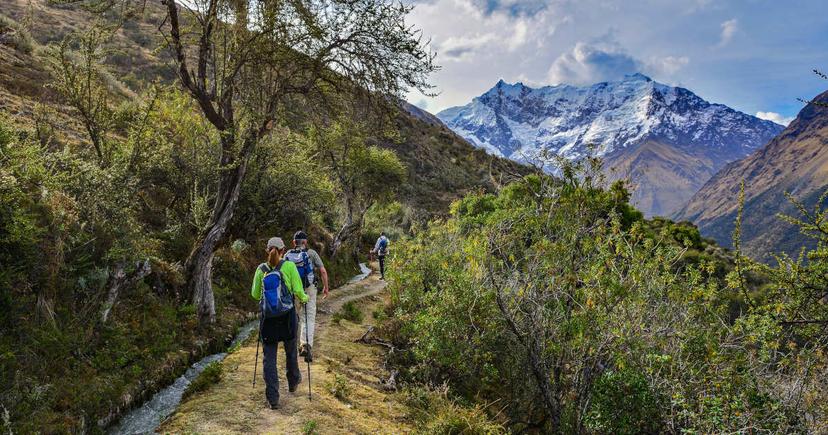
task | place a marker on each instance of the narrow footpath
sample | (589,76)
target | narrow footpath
(342,367)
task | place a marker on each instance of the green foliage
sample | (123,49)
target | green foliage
(350,312)
(393,218)
(624,403)
(786,318)
(211,375)
(555,299)
(81,80)
(311,427)
(286,187)
(140,183)
(364,174)
(340,388)
(379,314)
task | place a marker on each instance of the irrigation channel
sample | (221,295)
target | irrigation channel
(146,418)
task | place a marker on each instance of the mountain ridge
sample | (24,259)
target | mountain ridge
(794,162)
(530,124)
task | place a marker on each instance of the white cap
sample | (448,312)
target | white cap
(275,242)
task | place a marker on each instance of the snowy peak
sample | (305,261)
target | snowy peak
(520,122)
(612,118)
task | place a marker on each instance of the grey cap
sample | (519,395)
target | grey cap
(275,242)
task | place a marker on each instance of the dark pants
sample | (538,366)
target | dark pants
(382,266)
(271,373)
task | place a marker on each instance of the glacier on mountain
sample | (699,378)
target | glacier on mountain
(532,124)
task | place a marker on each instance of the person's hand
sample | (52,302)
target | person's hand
(325,291)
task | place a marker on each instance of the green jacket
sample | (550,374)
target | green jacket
(292,279)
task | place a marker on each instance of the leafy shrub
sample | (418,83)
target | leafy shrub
(340,388)
(211,374)
(624,403)
(540,296)
(310,428)
(350,311)
(379,314)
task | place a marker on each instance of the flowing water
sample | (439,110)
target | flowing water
(149,416)
(365,272)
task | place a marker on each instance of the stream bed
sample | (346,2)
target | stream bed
(148,417)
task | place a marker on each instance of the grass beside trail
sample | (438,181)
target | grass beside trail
(348,396)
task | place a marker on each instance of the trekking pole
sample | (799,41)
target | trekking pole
(307,359)
(256,361)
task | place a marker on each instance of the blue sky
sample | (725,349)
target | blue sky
(753,55)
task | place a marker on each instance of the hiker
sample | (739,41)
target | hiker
(310,267)
(381,249)
(279,282)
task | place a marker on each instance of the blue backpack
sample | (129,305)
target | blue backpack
(303,264)
(383,246)
(276,300)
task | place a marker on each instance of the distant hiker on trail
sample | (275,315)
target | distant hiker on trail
(275,284)
(308,262)
(381,249)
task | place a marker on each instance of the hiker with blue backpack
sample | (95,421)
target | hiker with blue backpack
(381,249)
(276,285)
(312,271)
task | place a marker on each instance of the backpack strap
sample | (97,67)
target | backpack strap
(278,268)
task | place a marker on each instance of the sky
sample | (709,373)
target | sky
(756,56)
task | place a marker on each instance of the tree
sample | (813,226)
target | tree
(79,78)
(243,62)
(365,174)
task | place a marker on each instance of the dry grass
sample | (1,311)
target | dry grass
(14,35)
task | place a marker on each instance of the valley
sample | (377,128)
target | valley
(581,248)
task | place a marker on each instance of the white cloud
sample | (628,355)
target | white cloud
(462,30)
(729,28)
(586,64)
(668,65)
(457,48)
(519,37)
(480,41)
(775,117)
(590,63)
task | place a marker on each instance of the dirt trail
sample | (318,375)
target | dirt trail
(234,406)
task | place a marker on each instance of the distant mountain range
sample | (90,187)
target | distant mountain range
(795,162)
(666,140)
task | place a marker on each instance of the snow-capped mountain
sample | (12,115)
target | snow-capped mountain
(666,140)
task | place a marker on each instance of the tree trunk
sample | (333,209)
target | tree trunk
(345,233)
(199,265)
(550,398)
(118,281)
(353,226)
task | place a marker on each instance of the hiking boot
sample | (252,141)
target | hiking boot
(308,354)
(292,388)
(274,405)
(303,350)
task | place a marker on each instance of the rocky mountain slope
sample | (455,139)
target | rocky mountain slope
(666,140)
(795,162)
